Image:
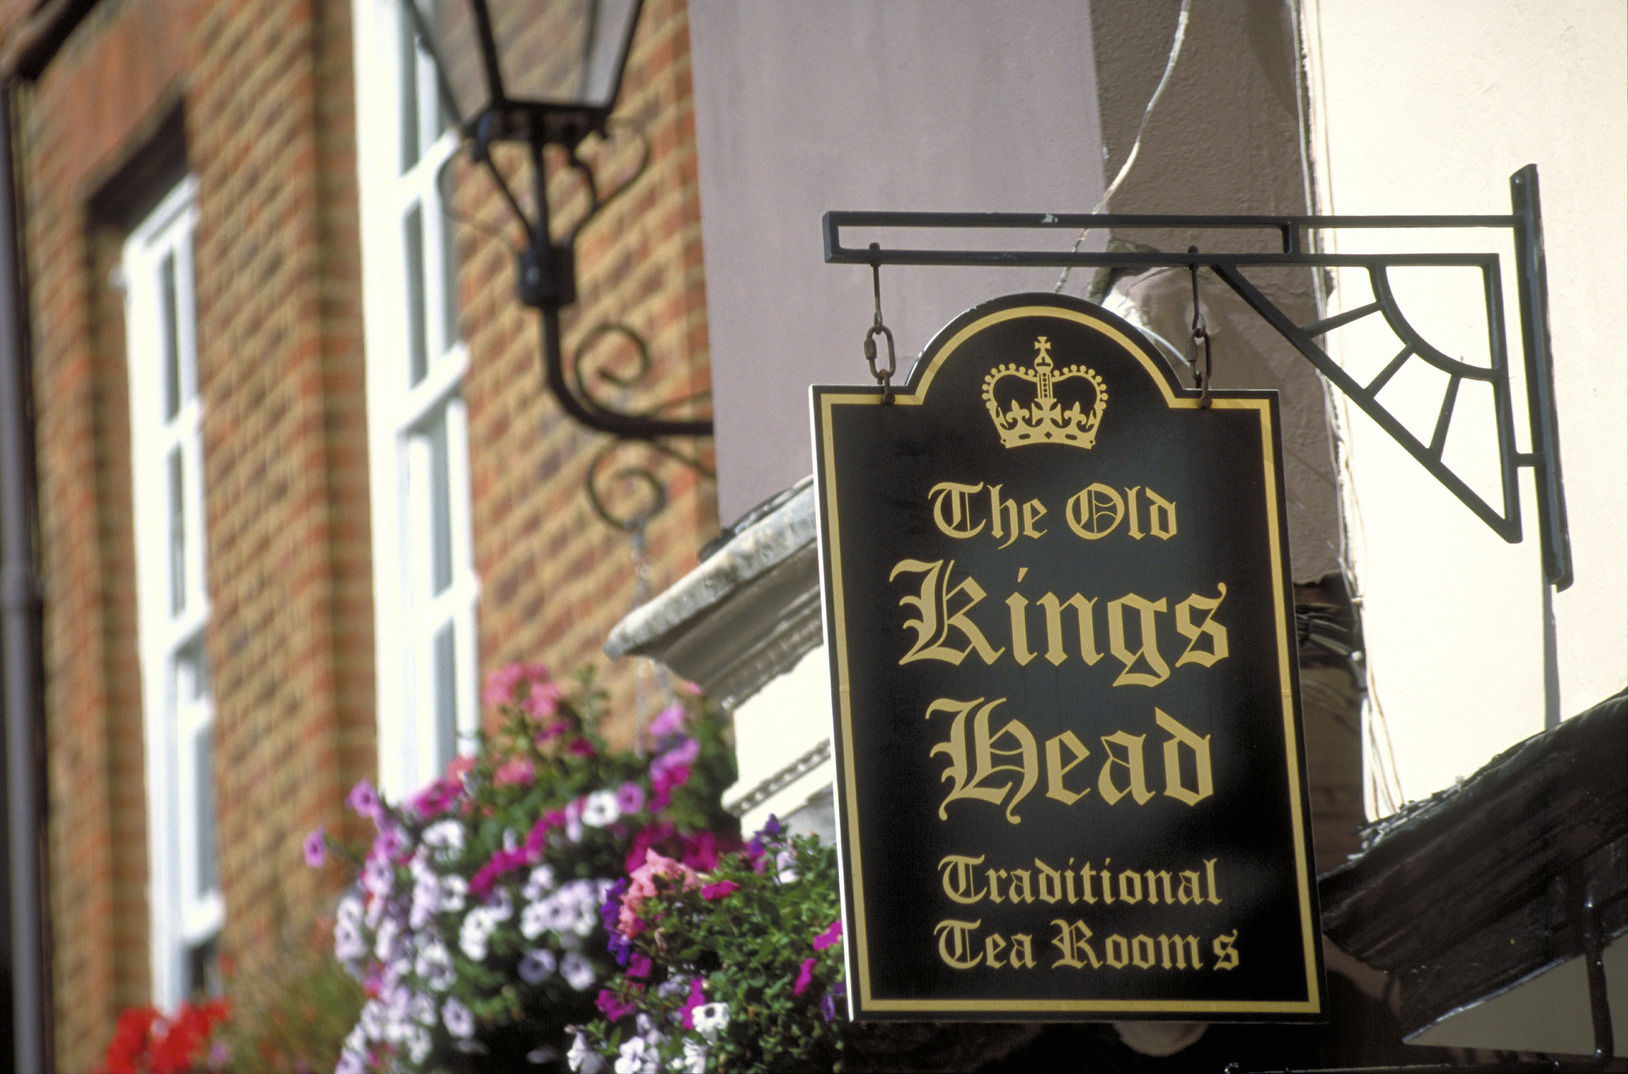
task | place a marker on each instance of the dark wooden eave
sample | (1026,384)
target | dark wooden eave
(1472,890)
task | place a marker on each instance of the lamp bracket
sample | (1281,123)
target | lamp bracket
(1524,224)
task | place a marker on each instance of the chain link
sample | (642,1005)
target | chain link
(883,377)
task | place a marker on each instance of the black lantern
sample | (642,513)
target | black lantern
(544,74)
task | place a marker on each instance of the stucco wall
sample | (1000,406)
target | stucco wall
(881,104)
(1429,108)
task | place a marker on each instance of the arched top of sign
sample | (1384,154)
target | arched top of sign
(1032,366)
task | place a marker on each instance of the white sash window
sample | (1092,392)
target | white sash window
(424,576)
(173,604)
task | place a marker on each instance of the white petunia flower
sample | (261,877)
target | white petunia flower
(477,929)
(426,897)
(537,965)
(539,884)
(384,944)
(349,946)
(583,1059)
(600,809)
(419,1044)
(422,1009)
(372,1020)
(434,964)
(454,890)
(694,1059)
(460,1023)
(446,838)
(534,920)
(631,1058)
(711,1019)
(577,971)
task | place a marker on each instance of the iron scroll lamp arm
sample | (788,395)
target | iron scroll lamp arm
(545,280)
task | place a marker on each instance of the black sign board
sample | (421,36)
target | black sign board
(1070,780)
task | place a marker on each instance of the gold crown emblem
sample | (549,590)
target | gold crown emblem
(1032,413)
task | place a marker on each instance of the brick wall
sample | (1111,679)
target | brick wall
(265,92)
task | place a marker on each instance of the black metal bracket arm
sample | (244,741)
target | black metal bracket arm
(1524,224)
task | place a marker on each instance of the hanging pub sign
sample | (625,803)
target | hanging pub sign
(1070,780)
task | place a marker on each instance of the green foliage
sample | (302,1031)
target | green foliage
(736,969)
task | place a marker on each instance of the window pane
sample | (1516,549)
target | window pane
(440,519)
(202,757)
(177,535)
(408,116)
(449,262)
(169,317)
(418,362)
(446,697)
(203,970)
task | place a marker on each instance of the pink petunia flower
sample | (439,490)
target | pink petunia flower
(642,885)
(542,700)
(514,773)
(501,684)
(316,847)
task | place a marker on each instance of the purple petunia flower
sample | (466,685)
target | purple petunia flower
(611,908)
(828,1007)
(316,847)
(364,800)
(630,798)
(620,947)
(717,891)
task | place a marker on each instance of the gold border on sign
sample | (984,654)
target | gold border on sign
(838,625)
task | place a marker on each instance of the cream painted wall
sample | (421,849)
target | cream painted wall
(1428,108)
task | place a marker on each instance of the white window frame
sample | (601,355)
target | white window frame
(409,611)
(186,908)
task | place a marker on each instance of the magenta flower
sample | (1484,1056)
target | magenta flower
(832,935)
(638,965)
(696,999)
(710,892)
(434,799)
(612,1007)
(316,847)
(805,977)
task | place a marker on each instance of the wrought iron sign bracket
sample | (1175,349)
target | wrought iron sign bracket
(1524,223)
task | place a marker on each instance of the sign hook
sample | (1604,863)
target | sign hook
(877,328)
(1200,336)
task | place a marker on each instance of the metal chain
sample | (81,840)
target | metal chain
(877,328)
(1200,336)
